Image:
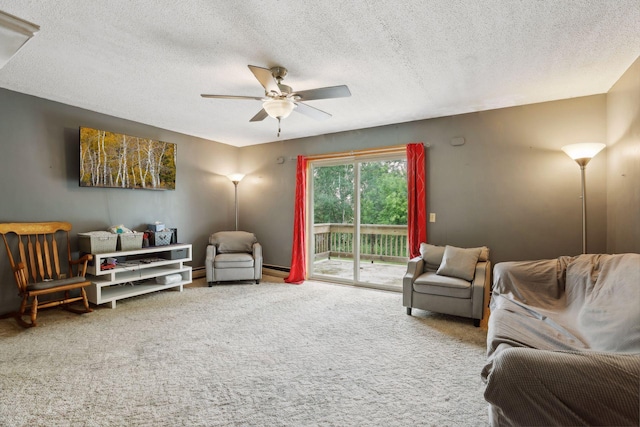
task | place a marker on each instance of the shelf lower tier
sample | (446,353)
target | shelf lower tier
(124,276)
(102,292)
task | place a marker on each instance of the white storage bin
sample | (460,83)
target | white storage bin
(97,242)
(130,241)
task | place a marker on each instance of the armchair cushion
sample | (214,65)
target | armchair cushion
(233,260)
(233,241)
(432,283)
(459,262)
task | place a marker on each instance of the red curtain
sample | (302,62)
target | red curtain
(417,186)
(298,270)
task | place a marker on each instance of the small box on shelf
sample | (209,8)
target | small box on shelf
(160,238)
(156,227)
(174,254)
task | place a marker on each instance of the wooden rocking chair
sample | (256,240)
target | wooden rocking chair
(38,271)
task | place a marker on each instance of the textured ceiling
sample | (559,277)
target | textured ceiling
(149,60)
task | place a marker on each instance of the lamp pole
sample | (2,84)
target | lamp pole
(236,178)
(582,153)
(584,208)
(235,183)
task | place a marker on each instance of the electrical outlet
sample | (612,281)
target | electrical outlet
(432,217)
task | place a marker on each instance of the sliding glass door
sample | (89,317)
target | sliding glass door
(358,220)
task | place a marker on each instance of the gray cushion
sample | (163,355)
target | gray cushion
(40,286)
(233,260)
(432,255)
(233,241)
(459,262)
(434,284)
(484,254)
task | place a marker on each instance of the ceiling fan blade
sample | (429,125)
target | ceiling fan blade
(265,78)
(204,95)
(262,114)
(312,112)
(324,93)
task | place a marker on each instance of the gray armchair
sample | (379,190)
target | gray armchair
(449,280)
(233,256)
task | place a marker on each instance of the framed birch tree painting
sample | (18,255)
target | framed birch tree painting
(115,160)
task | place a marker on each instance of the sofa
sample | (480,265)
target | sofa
(563,345)
(448,280)
(233,256)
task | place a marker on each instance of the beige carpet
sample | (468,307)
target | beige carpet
(244,355)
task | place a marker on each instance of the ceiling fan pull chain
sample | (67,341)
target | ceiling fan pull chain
(278,127)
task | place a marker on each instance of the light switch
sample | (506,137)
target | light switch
(432,217)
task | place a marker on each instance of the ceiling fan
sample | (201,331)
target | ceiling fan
(280,100)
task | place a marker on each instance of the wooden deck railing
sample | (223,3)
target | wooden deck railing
(377,242)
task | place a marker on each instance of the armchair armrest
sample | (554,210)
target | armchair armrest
(257,261)
(415,267)
(257,250)
(208,263)
(480,287)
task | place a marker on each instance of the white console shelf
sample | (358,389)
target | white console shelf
(136,272)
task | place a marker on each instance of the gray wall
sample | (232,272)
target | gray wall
(510,187)
(39,174)
(623,166)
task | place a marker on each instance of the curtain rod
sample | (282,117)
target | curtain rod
(368,151)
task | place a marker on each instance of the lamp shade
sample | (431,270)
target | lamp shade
(583,151)
(278,108)
(235,177)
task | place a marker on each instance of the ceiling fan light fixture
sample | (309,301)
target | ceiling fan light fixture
(278,108)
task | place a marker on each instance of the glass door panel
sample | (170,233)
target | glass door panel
(383,222)
(333,221)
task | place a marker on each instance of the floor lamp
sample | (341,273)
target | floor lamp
(582,153)
(236,178)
